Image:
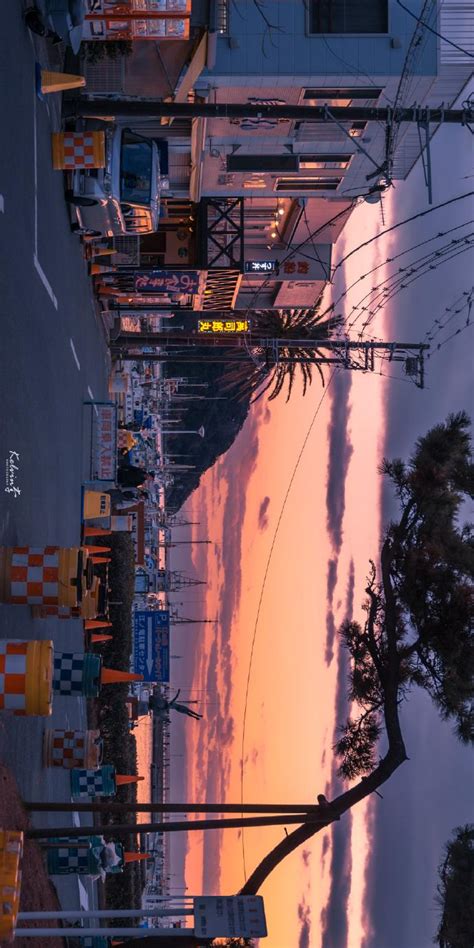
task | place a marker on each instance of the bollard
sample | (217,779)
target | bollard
(70,749)
(26,677)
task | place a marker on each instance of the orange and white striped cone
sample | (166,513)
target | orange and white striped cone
(97,624)
(97,549)
(112,676)
(98,639)
(97,560)
(135,857)
(95,269)
(122,780)
(96,532)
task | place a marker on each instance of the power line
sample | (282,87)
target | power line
(407,220)
(404,278)
(264,582)
(435,32)
(397,256)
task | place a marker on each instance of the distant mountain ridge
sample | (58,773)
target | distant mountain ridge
(222,415)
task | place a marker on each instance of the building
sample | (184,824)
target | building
(243,193)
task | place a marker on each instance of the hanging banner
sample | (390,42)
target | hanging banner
(167,281)
(103,445)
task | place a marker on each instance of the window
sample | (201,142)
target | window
(357,129)
(324,162)
(262,163)
(135,169)
(338,96)
(348,16)
(307,184)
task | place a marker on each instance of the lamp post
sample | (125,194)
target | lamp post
(182,431)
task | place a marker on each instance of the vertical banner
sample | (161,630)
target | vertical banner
(103,448)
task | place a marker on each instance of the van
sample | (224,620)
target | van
(123,198)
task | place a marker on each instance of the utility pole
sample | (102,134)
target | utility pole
(271,352)
(93,806)
(420,115)
(318,816)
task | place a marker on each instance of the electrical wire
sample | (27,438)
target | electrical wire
(326,269)
(435,32)
(275,536)
(264,583)
(407,220)
(397,256)
(403,278)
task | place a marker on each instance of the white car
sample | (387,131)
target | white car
(124,197)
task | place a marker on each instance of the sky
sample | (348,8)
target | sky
(370,881)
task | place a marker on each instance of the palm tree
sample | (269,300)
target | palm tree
(262,371)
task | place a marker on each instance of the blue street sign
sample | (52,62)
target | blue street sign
(151,645)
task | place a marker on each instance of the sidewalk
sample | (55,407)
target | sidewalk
(37,890)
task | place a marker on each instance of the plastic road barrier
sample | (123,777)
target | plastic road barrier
(11,852)
(26,677)
(72,748)
(44,576)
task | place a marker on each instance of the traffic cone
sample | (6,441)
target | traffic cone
(96,268)
(122,779)
(135,857)
(104,290)
(97,624)
(96,532)
(112,676)
(98,251)
(97,639)
(97,549)
(47,81)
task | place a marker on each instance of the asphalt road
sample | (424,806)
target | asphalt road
(52,357)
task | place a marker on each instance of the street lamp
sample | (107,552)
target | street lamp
(200,431)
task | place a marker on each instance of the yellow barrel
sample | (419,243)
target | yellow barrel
(11,852)
(96,505)
(39,678)
(26,677)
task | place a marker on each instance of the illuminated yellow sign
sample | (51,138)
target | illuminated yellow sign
(223,325)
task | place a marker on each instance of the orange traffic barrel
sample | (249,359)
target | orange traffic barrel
(42,576)
(26,677)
